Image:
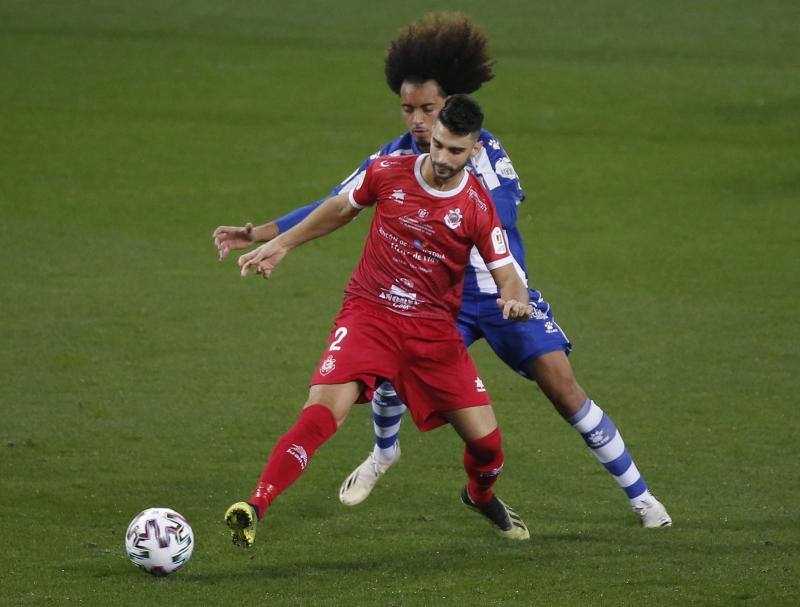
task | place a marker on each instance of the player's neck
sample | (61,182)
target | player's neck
(430,177)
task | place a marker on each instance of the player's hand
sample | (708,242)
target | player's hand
(263,260)
(228,238)
(515,310)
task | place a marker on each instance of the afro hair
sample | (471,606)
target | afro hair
(445,47)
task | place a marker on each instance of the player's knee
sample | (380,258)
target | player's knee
(338,399)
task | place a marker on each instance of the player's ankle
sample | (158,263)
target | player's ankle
(386,456)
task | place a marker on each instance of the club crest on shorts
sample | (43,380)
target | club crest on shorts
(328,365)
(453,219)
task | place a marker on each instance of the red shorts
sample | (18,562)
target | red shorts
(425,360)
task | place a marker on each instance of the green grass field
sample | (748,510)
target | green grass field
(659,145)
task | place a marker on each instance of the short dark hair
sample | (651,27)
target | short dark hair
(445,47)
(461,115)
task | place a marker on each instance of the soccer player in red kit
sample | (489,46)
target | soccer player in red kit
(397,321)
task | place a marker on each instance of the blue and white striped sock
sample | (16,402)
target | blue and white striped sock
(387,414)
(606,443)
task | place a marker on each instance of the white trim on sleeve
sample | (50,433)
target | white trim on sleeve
(353,200)
(500,263)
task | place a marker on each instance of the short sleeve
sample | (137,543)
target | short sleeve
(493,165)
(364,191)
(490,238)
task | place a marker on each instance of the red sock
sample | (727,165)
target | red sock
(290,456)
(483,460)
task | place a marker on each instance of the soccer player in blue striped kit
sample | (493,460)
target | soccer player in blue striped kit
(439,55)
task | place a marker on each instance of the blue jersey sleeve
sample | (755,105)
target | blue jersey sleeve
(494,167)
(292,218)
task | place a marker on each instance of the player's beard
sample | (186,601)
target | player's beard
(444,172)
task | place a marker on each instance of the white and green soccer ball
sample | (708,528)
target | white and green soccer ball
(159,540)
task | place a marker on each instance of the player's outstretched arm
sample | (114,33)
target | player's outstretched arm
(229,238)
(329,216)
(513,298)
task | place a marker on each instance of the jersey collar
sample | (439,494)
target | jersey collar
(434,192)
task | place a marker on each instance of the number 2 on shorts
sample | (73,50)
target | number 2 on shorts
(340,334)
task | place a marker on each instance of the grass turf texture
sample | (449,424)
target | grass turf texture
(658,144)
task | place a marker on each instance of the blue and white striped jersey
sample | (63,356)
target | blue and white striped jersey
(495,169)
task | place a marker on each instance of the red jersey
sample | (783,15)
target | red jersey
(419,242)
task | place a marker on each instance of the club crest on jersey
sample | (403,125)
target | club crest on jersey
(476,198)
(328,365)
(399,196)
(453,219)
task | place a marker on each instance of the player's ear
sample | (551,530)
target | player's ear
(476,148)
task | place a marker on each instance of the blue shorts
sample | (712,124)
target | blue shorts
(516,343)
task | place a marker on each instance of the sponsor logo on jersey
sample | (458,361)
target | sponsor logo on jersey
(399,196)
(504,168)
(453,219)
(399,298)
(403,248)
(415,224)
(479,385)
(328,365)
(299,453)
(476,198)
(498,241)
(494,144)
(423,213)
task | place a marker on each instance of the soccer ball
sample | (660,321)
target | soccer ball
(159,540)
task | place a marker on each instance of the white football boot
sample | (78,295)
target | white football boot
(357,487)
(651,512)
